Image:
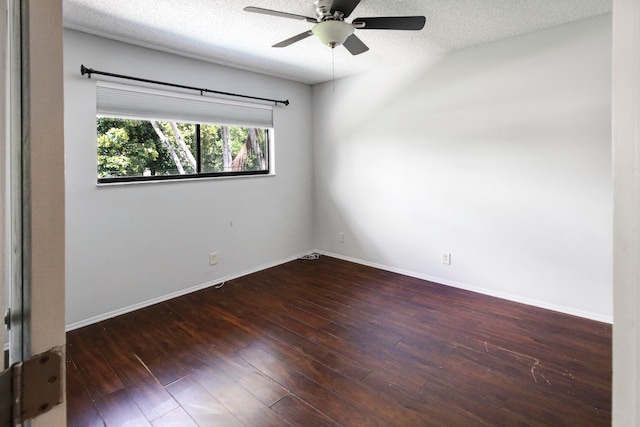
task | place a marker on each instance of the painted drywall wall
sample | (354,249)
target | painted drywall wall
(131,244)
(499,154)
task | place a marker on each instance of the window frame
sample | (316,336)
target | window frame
(237,121)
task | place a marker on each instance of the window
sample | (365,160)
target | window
(145,134)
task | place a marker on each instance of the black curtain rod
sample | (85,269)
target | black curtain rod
(84,70)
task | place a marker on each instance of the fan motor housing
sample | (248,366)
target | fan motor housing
(323,8)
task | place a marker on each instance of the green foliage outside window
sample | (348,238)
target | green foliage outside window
(143,148)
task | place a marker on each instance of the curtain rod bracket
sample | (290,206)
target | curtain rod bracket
(84,70)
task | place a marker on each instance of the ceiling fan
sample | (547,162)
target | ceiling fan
(331,28)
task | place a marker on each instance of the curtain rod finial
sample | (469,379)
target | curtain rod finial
(84,70)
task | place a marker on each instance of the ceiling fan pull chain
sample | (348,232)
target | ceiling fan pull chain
(333,70)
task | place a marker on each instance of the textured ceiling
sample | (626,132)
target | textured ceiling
(220,31)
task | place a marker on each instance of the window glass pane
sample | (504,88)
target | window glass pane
(130,148)
(233,148)
(211,148)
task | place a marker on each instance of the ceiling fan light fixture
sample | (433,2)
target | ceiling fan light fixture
(332,33)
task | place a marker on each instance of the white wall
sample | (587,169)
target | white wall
(499,154)
(131,244)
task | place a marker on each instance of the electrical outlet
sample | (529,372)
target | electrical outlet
(446,258)
(213,258)
(340,237)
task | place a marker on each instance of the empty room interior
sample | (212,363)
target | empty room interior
(429,241)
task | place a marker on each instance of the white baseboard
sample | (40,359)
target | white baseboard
(484,291)
(441,281)
(162,298)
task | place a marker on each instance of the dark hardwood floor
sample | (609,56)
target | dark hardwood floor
(331,343)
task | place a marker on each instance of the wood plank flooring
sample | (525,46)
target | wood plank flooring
(332,343)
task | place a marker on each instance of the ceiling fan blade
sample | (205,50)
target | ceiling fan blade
(344,6)
(354,45)
(293,39)
(280,14)
(390,23)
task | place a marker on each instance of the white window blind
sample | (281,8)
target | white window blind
(127,101)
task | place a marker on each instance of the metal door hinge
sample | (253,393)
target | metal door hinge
(30,388)
(7,319)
